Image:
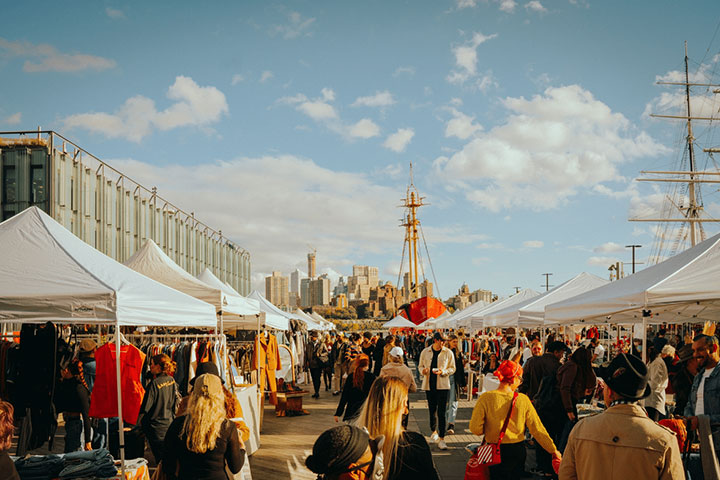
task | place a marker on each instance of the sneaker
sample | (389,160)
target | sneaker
(442,445)
(451,429)
(336,393)
(434,437)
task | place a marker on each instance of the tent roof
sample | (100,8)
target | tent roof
(49,274)
(152,262)
(319,318)
(531,312)
(234,303)
(683,288)
(399,322)
(274,317)
(458,315)
(312,324)
(479,319)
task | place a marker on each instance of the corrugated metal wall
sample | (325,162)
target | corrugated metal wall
(112,213)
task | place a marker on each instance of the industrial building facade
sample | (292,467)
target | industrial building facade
(108,210)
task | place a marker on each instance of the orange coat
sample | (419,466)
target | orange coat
(266,359)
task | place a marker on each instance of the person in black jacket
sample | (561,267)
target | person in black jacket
(200,443)
(356,388)
(458,380)
(159,404)
(72,398)
(377,355)
(406,455)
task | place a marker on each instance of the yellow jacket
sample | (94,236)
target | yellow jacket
(489,415)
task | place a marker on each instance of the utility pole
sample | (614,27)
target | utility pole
(633,254)
(547,281)
(517,289)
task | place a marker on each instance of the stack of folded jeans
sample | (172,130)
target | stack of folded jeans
(92,464)
(39,468)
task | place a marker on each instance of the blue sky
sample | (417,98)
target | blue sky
(291,125)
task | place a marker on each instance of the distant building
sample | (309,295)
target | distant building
(481,295)
(305,293)
(341,288)
(295,281)
(276,289)
(465,298)
(319,290)
(293,300)
(311,265)
(340,301)
(361,281)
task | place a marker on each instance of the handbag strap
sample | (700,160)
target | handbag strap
(507,419)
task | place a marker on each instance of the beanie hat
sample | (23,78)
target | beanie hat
(337,448)
(508,370)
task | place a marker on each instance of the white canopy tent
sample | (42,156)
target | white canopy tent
(531,312)
(319,318)
(49,274)
(274,317)
(684,288)
(455,320)
(478,319)
(399,322)
(235,302)
(442,320)
(312,324)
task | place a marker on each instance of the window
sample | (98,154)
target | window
(9,184)
(37,184)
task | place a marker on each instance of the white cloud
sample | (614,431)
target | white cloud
(302,210)
(550,147)
(297,26)
(380,99)
(461,126)
(404,70)
(46,58)
(479,261)
(237,78)
(466,63)
(265,76)
(602,261)
(609,247)
(490,246)
(364,128)
(14,119)
(535,6)
(138,117)
(398,141)
(466,3)
(323,111)
(114,13)
(533,244)
(508,6)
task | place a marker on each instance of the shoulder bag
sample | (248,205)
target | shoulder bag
(488,454)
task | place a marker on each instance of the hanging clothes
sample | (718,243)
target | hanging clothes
(267,360)
(103,402)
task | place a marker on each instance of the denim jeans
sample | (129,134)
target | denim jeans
(73,434)
(99,436)
(452,402)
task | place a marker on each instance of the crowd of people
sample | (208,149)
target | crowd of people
(589,411)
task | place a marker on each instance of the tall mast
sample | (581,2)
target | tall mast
(411,203)
(691,214)
(693,207)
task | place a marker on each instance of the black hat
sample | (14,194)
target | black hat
(206,367)
(628,376)
(337,448)
(557,346)
(685,353)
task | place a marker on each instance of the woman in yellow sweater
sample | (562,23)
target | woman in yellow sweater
(489,415)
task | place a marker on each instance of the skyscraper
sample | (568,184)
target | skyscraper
(311,265)
(276,289)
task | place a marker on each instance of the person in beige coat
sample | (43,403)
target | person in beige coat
(622,442)
(437,363)
(396,368)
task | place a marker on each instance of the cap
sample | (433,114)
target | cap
(397,352)
(206,367)
(208,385)
(685,353)
(87,345)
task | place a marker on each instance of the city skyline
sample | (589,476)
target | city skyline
(291,126)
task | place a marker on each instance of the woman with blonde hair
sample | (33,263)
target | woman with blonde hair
(199,443)
(406,454)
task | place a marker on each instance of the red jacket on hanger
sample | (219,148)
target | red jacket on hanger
(103,401)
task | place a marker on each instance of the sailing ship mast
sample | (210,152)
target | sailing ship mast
(692,213)
(411,203)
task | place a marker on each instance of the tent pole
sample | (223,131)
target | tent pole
(121,423)
(644,339)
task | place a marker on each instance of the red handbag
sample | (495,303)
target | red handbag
(487,454)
